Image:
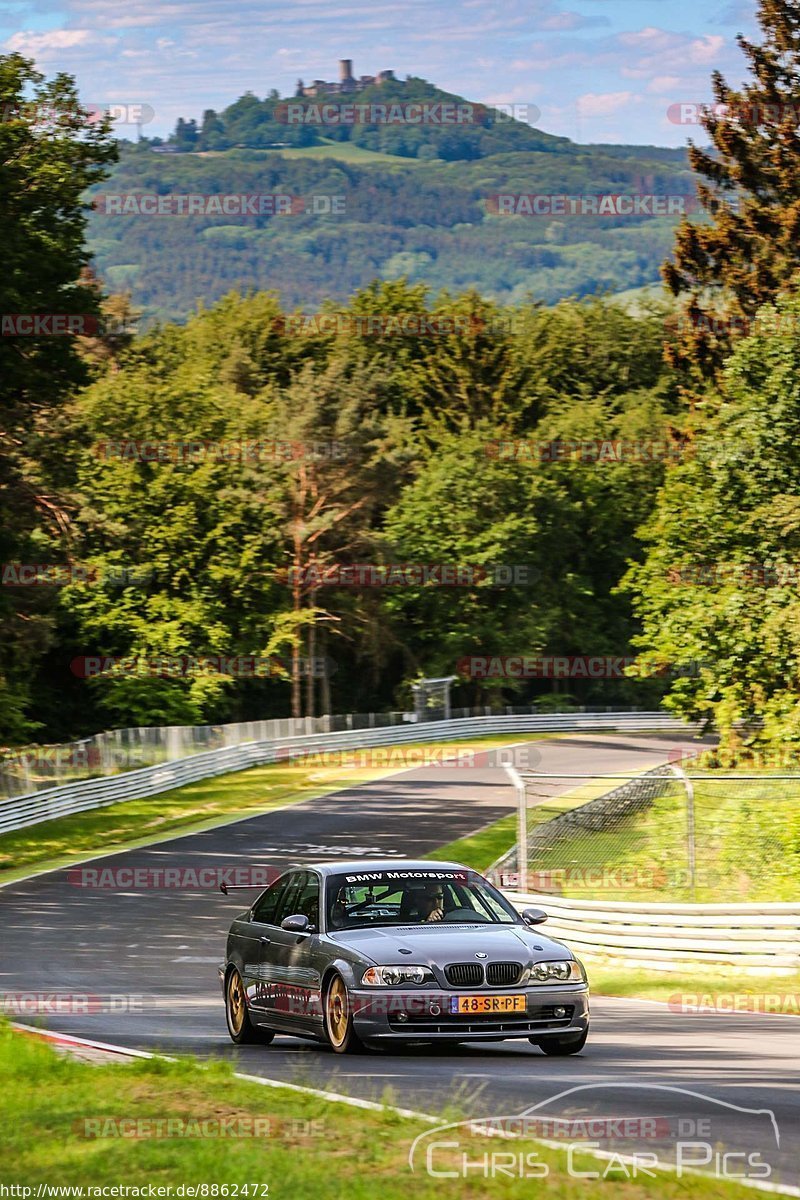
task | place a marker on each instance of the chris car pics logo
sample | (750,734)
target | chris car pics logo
(605,1131)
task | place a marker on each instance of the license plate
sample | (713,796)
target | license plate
(487,1004)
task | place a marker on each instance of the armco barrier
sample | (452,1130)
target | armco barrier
(757,939)
(67,799)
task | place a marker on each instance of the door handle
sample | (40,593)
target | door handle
(265,941)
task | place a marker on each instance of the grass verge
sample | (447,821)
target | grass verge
(728,991)
(482,848)
(348,152)
(64,1121)
(211,802)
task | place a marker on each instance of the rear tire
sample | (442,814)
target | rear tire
(559,1046)
(342,1037)
(241,1029)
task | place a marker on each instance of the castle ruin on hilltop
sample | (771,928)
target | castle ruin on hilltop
(347,82)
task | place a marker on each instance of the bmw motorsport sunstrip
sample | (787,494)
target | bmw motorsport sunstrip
(365,953)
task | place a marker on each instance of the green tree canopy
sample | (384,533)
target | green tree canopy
(718,586)
(49,155)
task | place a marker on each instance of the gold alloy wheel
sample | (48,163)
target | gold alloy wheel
(236,1008)
(338,1012)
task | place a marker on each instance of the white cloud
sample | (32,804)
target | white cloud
(661,84)
(706,49)
(661,51)
(600,104)
(44,45)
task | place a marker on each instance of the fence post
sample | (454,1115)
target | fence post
(691,849)
(522,826)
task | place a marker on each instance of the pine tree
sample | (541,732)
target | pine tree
(750,249)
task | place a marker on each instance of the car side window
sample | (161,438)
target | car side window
(287,904)
(266,907)
(308,900)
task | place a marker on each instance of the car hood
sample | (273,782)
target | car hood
(439,943)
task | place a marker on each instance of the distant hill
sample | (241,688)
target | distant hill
(422,215)
(449,128)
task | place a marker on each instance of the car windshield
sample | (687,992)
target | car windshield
(414,897)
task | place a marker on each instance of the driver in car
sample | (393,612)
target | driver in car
(430,902)
(339,909)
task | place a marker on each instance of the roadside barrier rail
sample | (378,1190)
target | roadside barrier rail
(66,799)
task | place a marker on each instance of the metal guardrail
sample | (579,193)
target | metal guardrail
(21,811)
(36,768)
(757,939)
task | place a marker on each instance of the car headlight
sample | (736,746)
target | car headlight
(395,976)
(567,971)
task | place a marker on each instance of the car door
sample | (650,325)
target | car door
(295,960)
(269,995)
(254,937)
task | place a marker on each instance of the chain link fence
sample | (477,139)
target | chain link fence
(658,836)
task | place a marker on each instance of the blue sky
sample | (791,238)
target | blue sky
(597,70)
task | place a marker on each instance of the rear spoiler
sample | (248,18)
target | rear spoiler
(245,887)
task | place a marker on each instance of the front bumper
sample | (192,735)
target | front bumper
(423,1015)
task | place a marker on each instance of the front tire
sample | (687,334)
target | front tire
(559,1046)
(241,1029)
(342,1037)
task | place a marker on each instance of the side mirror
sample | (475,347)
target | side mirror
(534,916)
(298,923)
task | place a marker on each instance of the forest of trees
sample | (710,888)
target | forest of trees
(428,222)
(391,457)
(376,446)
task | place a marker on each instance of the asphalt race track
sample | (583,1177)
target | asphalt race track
(158,950)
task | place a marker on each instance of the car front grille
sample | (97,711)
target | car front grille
(464,974)
(503,974)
